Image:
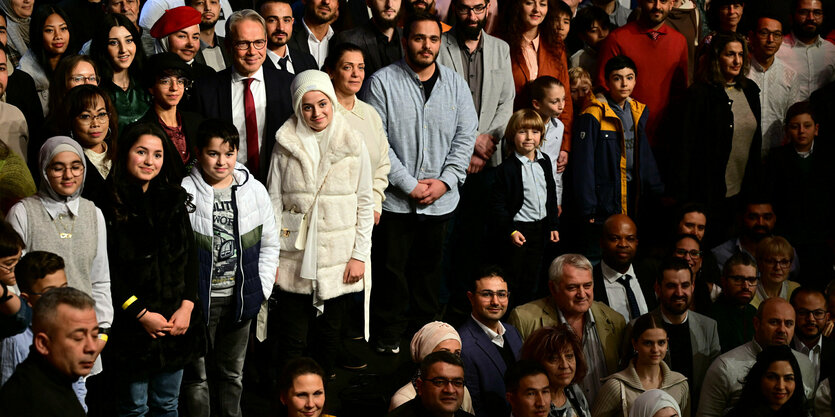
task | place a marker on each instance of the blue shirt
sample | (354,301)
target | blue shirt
(534,190)
(428,139)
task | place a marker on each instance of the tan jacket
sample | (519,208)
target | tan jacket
(620,390)
(543,312)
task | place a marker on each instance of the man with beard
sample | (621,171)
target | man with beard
(778,90)
(379,38)
(212,52)
(732,310)
(628,292)
(773,325)
(758,221)
(484,62)
(314,31)
(659,52)
(428,115)
(279,17)
(810,306)
(693,338)
(805,51)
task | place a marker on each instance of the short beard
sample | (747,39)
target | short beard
(807,34)
(385,24)
(470,33)
(207,25)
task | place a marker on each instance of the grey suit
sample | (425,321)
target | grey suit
(365,36)
(704,344)
(497,88)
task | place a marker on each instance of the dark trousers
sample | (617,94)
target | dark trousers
(521,264)
(407,273)
(299,332)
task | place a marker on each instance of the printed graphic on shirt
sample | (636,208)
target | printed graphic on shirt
(223,243)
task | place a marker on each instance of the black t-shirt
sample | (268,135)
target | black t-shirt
(429,84)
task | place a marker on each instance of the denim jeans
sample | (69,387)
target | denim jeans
(212,385)
(152,396)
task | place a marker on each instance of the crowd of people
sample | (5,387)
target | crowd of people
(189,187)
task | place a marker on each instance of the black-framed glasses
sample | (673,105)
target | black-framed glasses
(441,382)
(738,279)
(502,294)
(244,45)
(817,314)
(684,252)
(465,11)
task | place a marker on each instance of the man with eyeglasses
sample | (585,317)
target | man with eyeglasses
(774,324)
(732,310)
(810,306)
(805,51)
(251,96)
(440,389)
(488,345)
(776,80)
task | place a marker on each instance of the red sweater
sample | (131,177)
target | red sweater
(662,67)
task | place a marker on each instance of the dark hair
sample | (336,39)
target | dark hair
(261,4)
(216,128)
(712,14)
(419,16)
(738,258)
(36,35)
(10,241)
(512,31)
(588,16)
(58,85)
(297,367)
(619,62)
(337,51)
(439,356)
(672,263)
(36,265)
(752,397)
(98,46)
(548,341)
(797,292)
(644,323)
(524,368)
(708,70)
(488,271)
(78,100)
(43,315)
(562,8)
(796,109)
(537,87)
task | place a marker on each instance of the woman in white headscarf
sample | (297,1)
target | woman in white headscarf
(320,183)
(432,337)
(655,403)
(18,14)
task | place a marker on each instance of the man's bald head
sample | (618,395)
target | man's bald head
(774,322)
(619,242)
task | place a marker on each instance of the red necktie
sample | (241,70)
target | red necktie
(251,121)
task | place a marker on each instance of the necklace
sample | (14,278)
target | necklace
(65,234)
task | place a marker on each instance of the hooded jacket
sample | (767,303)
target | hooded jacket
(257,240)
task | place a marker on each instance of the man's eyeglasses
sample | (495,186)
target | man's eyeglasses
(244,45)
(817,314)
(738,279)
(441,382)
(490,294)
(465,11)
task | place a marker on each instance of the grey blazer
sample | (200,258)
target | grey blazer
(497,88)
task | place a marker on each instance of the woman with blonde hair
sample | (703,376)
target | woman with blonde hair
(774,261)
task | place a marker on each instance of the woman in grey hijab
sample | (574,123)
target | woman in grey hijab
(18,13)
(655,402)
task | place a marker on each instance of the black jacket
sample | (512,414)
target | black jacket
(38,389)
(642,274)
(21,93)
(191,122)
(302,61)
(366,37)
(508,194)
(152,255)
(415,408)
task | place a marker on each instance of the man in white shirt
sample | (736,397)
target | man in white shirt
(810,307)
(620,287)
(777,82)
(805,51)
(279,17)
(314,31)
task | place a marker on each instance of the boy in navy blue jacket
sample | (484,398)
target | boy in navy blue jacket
(525,205)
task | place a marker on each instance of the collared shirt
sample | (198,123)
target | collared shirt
(319,49)
(804,155)
(534,190)
(496,338)
(259,95)
(814,64)
(473,65)
(551,144)
(428,139)
(668,321)
(593,353)
(778,91)
(814,353)
(530,49)
(213,55)
(617,292)
(288,65)
(628,122)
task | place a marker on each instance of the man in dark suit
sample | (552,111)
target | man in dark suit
(379,38)
(279,17)
(488,346)
(810,305)
(623,285)
(212,52)
(314,31)
(227,94)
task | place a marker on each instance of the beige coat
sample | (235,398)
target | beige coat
(620,390)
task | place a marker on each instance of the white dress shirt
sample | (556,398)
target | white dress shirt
(259,95)
(814,353)
(778,91)
(319,49)
(496,338)
(274,58)
(814,64)
(617,292)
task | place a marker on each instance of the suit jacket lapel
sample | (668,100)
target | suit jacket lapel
(486,345)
